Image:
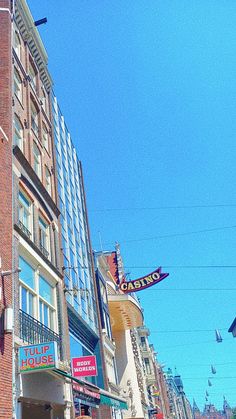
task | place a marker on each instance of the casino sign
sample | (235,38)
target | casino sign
(143,282)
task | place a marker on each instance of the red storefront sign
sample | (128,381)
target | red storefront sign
(84,366)
(81,389)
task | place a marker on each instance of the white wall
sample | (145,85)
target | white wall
(127,373)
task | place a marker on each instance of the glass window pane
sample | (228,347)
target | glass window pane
(45,315)
(41,311)
(45,290)
(24,299)
(23,200)
(76,348)
(27,273)
(51,314)
(31,306)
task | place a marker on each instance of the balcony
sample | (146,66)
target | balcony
(24,229)
(44,251)
(125,312)
(32,331)
(150,378)
(108,344)
(143,331)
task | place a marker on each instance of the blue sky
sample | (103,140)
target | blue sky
(149,94)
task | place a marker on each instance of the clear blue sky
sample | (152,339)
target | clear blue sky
(148,91)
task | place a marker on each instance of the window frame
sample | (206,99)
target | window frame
(17,44)
(34,118)
(33,74)
(18,135)
(37,161)
(48,181)
(18,90)
(28,210)
(50,306)
(52,323)
(44,101)
(45,245)
(45,137)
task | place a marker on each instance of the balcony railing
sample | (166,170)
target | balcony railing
(32,331)
(44,251)
(24,229)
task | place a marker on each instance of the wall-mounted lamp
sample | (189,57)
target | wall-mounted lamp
(75,291)
(8,320)
(7,273)
(73,267)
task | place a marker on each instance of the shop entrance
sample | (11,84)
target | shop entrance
(30,411)
(41,411)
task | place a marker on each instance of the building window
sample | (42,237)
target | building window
(18,133)
(44,239)
(27,287)
(37,295)
(34,119)
(17,44)
(33,76)
(25,214)
(147,366)
(37,161)
(46,303)
(45,137)
(44,101)
(17,85)
(48,181)
(143,343)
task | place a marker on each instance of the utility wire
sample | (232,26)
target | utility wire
(182,267)
(185,331)
(188,233)
(204,378)
(191,289)
(204,365)
(166,348)
(165,207)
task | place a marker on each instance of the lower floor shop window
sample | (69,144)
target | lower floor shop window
(77,349)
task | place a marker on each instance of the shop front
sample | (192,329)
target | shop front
(116,404)
(41,393)
(86,400)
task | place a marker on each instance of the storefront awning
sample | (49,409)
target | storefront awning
(66,375)
(111,401)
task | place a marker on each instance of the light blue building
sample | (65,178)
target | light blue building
(77,253)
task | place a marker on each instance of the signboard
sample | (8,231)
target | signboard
(143,282)
(85,391)
(42,356)
(84,366)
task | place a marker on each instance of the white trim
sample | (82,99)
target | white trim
(5,9)
(5,137)
(38,259)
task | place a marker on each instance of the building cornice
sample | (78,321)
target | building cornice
(30,34)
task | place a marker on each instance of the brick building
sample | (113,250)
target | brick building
(6,339)
(210,411)
(32,289)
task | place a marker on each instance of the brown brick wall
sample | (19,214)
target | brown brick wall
(5,207)
(21,108)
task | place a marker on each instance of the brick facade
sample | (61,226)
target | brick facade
(6,205)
